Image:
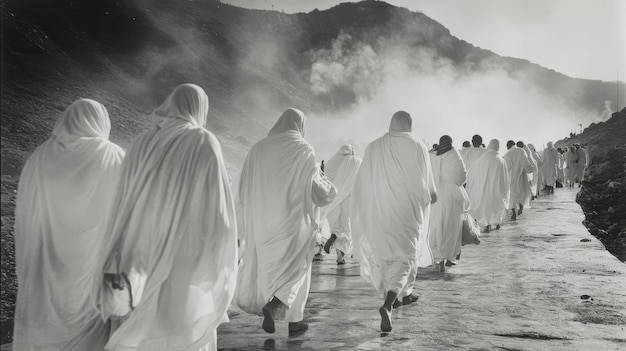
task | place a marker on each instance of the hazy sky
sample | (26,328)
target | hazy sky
(580,38)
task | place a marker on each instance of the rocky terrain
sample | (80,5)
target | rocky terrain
(603,195)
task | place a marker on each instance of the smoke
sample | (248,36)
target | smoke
(441,96)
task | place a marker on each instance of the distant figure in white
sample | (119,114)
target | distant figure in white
(64,193)
(550,167)
(538,182)
(280,188)
(561,167)
(580,163)
(571,161)
(172,234)
(488,187)
(445,217)
(518,166)
(390,205)
(341,170)
(471,154)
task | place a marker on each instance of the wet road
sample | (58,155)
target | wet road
(520,289)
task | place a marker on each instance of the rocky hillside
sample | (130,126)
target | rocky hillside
(130,54)
(603,195)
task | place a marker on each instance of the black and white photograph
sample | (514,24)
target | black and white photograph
(201,175)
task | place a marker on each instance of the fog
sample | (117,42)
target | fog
(441,97)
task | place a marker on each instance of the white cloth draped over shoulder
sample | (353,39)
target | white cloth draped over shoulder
(534,174)
(391,201)
(488,186)
(280,188)
(518,165)
(550,165)
(341,170)
(537,181)
(64,193)
(471,155)
(446,214)
(173,231)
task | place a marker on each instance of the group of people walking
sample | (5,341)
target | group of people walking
(146,250)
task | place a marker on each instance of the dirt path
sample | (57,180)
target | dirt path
(520,289)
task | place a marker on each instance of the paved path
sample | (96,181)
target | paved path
(520,289)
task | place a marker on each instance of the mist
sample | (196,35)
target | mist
(442,99)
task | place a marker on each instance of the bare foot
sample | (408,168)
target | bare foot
(385,319)
(330,242)
(300,326)
(407,300)
(268,319)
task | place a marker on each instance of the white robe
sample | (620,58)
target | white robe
(561,169)
(571,160)
(390,207)
(538,182)
(550,165)
(65,189)
(280,187)
(470,155)
(446,214)
(341,170)
(173,232)
(488,187)
(581,165)
(518,166)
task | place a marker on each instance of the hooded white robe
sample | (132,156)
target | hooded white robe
(341,170)
(173,231)
(571,160)
(280,187)
(65,190)
(582,164)
(470,155)
(561,169)
(534,174)
(488,186)
(550,165)
(538,181)
(390,207)
(446,214)
(518,166)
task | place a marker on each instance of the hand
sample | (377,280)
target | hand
(116,280)
(433,198)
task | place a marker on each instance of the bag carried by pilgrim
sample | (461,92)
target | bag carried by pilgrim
(471,230)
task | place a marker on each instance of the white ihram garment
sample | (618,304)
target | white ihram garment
(279,190)
(488,186)
(390,206)
(446,214)
(341,170)
(550,165)
(173,232)
(65,190)
(470,155)
(518,166)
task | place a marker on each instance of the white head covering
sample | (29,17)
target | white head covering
(187,102)
(341,170)
(401,122)
(84,118)
(494,145)
(65,191)
(291,120)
